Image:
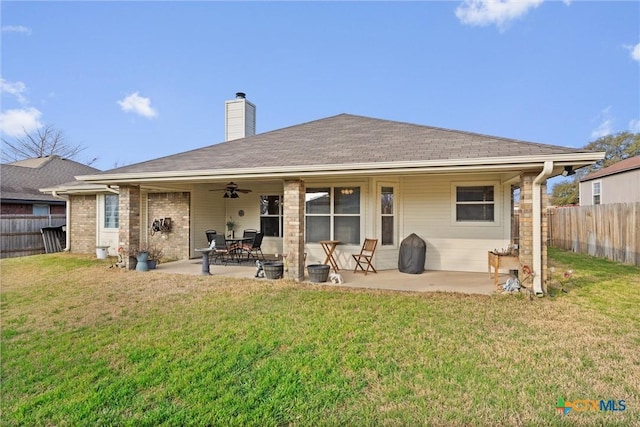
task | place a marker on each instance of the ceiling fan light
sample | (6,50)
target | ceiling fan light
(226,195)
(234,195)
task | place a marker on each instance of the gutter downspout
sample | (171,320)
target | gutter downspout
(67,242)
(537,227)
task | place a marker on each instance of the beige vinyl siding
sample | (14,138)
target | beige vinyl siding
(250,119)
(586,193)
(211,211)
(619,188)
(240,119)
(428,210)
(426,207)
(207,212)
(250,204)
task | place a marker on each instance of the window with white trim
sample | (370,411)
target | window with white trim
(111,210)
(475,203)
(271,215)
(387,216)
(597,190)
(332,213)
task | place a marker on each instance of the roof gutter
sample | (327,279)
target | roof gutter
(537,227)
(67,210)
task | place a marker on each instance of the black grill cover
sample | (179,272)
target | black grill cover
(413,252)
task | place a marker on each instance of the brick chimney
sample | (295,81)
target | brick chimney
(240,118)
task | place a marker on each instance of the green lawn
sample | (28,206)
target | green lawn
(85,344)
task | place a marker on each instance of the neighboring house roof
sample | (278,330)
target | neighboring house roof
(22,180)
(625,165)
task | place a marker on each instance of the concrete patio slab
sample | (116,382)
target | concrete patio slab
(429,281)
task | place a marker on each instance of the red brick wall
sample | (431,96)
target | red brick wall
(27,209)
(16,209)
(57,210)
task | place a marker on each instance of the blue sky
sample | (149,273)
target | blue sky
(134,81)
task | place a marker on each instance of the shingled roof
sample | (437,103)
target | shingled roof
(343,140)
(626,165)
(22,180)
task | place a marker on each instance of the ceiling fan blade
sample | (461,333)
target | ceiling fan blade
(242,190)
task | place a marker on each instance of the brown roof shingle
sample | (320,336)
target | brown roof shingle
(625,165)
(341,140)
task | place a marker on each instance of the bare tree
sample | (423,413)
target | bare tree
(44,141)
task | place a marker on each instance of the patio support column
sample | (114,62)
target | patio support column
(129,218)
(527,231)
(293,239)
(526,222)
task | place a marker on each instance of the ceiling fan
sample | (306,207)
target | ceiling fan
(231,191)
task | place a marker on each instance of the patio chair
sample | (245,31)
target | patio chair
(254,249)
(221,251)
(210,234)
(364,258)
(249,232)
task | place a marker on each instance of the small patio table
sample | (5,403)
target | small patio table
(235,246)
(329,246)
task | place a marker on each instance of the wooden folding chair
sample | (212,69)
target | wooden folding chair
(364,258)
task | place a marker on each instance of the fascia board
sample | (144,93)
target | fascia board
(463,165)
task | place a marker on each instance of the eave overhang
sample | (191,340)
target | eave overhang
(489,164)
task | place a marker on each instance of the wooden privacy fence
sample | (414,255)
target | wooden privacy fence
(21,233)
(605,231)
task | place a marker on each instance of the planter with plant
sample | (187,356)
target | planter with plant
(155,255)
(144,257)
(231,225)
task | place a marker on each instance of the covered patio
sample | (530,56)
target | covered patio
(429,281)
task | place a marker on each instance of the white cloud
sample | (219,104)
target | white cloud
(634,126)
(14,88)
(606,124)
(489,12)
(635,52)
(16,122)
(16,29)
(137,104)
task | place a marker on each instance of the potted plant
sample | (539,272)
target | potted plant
(155,254)
(230,226)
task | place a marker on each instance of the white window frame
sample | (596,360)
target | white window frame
(332,215)
(394,214)
(497,203)
(593,192)
(103,219)
(279,215)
